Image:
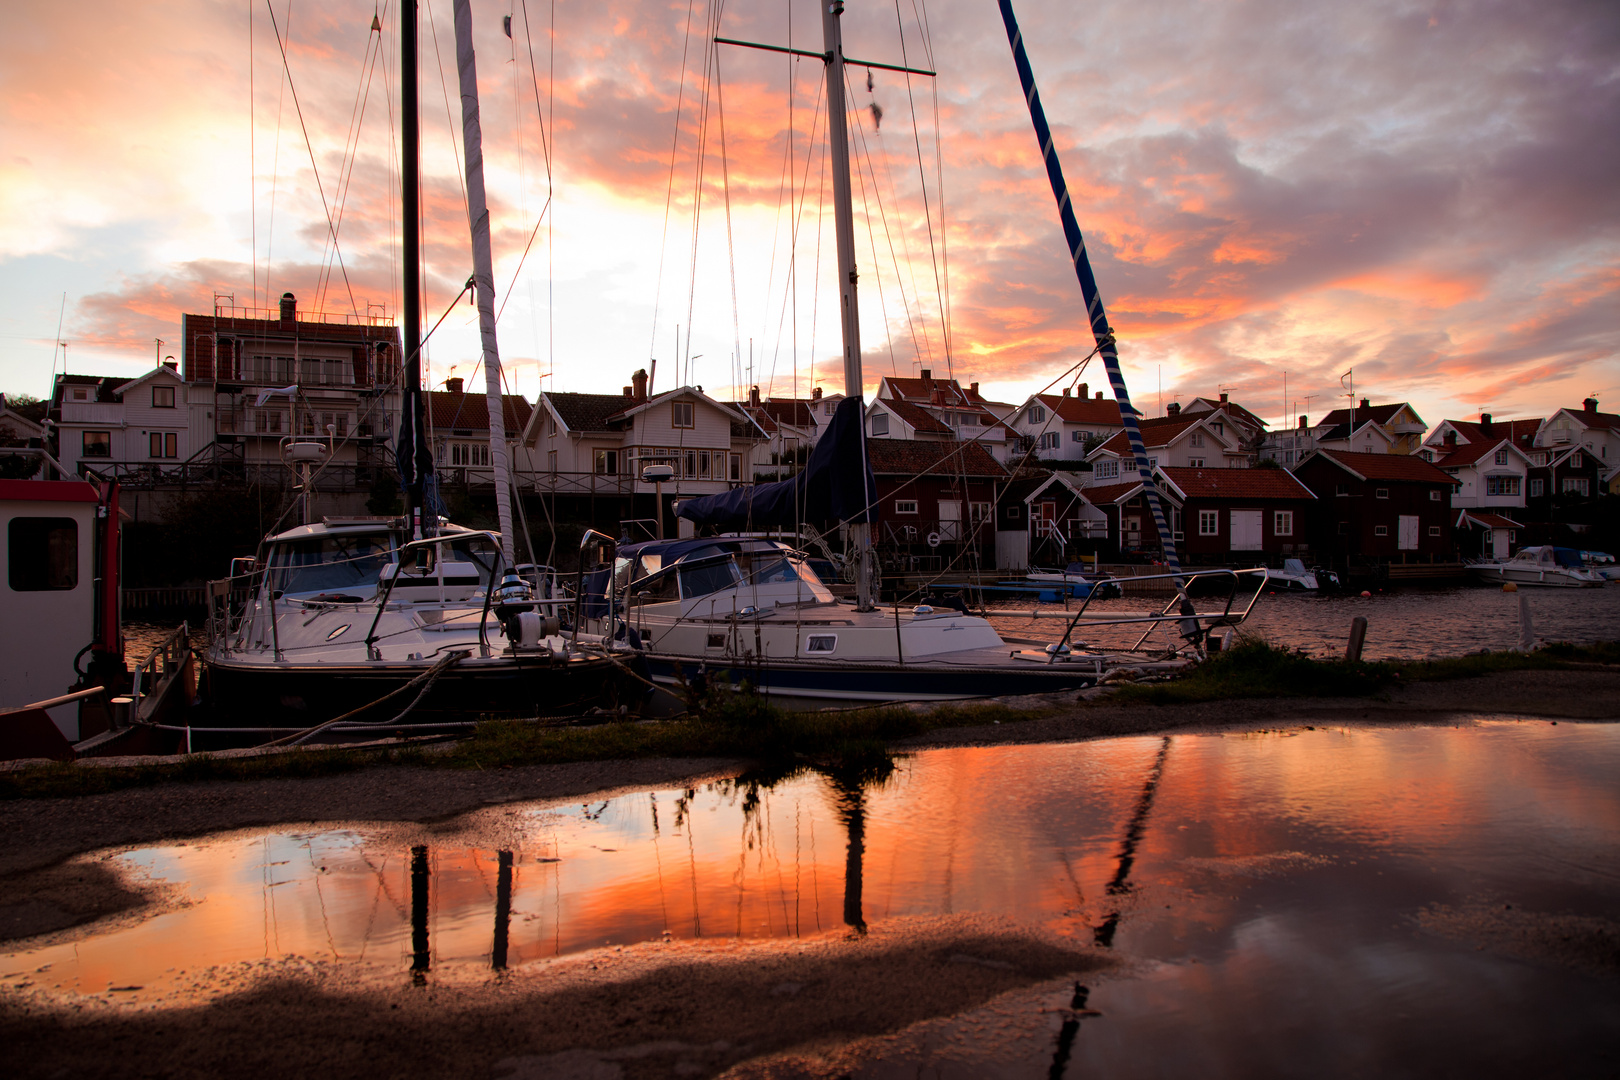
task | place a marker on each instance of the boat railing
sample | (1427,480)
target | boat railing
(1179,610)
(153,675)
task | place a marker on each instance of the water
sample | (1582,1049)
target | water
(1369,900)
(1404,624)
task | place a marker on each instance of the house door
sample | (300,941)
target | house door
(1046,520)
(1133,533)
(1499,542)
(1246,530)
(950,520)
(1408,540)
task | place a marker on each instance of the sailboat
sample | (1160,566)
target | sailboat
(753,609)
(410,620)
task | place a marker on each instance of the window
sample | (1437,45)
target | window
(551,461)
(1434,495)
(880,423)
(1380,530)
(81,393)
(1051,440)
(1501,485)
(464,454)
(1037,415)
(1381,493)
(1195,463)
(1342,489)
(1197,439)
(163,444)
(1012,513)
(680,414)
(1501,457)
(1434,530)
(1218,427)
(1079,436)
(1576,485)
(162,397)
(44,554)
(979,511)
(1209,523)
(1344,528)
(1575,461)
(1108,469)
(821,643)
(736,467)
(1282,523)
(689,459)
(905,506)
(97,444)
(1537,488)
(706,464)
(267,421)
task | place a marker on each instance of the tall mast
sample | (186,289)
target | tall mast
(483,270)
(860,533)
(413,434)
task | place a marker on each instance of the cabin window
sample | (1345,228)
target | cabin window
(715,641)
(1501,457)
(1381,493)
(1380,530)
(1537,487)
(1282,523)
(680,414)
(162,397)
(1434,530)
(43,554)
(163,444)
(880,423)
(905,506)
(1037,415)
(97,444)
(1209,523)
(1434,496)
(824,643)
(689,459)
(1501,485)
(1012,513)
(1218,427)
(705,579)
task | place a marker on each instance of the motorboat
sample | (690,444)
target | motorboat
(1603,563)
(1294,577)
(345,615)
(1073,580)
(1546,565)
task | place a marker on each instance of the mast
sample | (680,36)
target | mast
(417,463)
(483,271)
(860,533)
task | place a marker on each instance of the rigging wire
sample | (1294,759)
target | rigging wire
(922,175)
(351,153)
(669,191)
(321,188)
(725,183)
(275,170)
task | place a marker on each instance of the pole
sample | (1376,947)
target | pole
(860,533)
(483,272)
(413,431)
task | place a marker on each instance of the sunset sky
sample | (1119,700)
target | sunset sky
(1425,192)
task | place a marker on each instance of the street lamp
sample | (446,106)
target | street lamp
(656,475)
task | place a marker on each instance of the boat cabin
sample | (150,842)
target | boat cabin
(718,576)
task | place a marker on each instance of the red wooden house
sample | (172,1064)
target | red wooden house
(1384,508)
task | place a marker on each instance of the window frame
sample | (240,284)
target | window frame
(676,411)
(880,424)
(35,553)
(901,504)
(1381,530)
(1209,523)
(1282,523)
(85,444)
(163,391)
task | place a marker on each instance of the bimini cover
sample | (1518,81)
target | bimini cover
(835,486)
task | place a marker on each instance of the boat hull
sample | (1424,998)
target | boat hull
(1548,579)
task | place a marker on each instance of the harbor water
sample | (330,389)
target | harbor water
(1346,901)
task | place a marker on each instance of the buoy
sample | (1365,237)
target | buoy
(1365,594)
(1510,587)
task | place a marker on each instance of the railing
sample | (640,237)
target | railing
(162,598)
(234,311)
(148,475)
(566,483)
(152,676)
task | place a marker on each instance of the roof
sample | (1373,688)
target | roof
(1161,431)
(913,457)
(1342,430)
(1098,494)
(1237,483)
(1522,432)
(1480,442)
(1074,410)
(1490,521)
(788,411)
(1606,420)
(1382,414)
(922,389)
(471,411)
(106,386)
(586,412)
(1394,467)
(918,417)
(1201,405)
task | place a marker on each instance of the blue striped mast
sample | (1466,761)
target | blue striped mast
(1088,286)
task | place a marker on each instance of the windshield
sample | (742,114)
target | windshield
(328,563)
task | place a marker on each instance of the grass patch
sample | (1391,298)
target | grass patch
(1254,668)
(64,779)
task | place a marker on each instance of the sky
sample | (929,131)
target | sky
(1273,193)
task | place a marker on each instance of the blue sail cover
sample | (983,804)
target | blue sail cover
(835,486)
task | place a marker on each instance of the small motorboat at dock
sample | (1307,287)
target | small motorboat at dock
(1546,566)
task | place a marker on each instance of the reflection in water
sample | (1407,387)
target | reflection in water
(1284,883)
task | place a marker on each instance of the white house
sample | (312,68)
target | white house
(1491,472)
(118,424)
(1397,422)
(1597,432)
(1061,427)
(1206,441)
(963,413)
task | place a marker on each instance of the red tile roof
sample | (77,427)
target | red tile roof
(471,411)
(913,457)
(1478,445)
(1381,414)
(1073,410)
(919,418)
(1605,420)
(1100,494)
(789,411)
(923,389)
(1522,432)
(1237,483)
(1232,409)
(1398,467)
(1161,431)
(1490,521)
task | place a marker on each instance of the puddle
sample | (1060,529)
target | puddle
(1305,881)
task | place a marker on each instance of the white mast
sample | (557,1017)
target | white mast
(860,534)
(483,272)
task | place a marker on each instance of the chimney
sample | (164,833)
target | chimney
(1590,405)
(171,365)
(973,389)
(815,394)
(455,386)
(1485,422)
(1365,403)
(1223,399)
(1173,409)
(629,393)
(939,395)
(1084,392)
(1099,395)
(1302,424)
(638,382)
(753,395)
(1065,391)
(289,310)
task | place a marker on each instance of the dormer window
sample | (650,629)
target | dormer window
(81,393)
